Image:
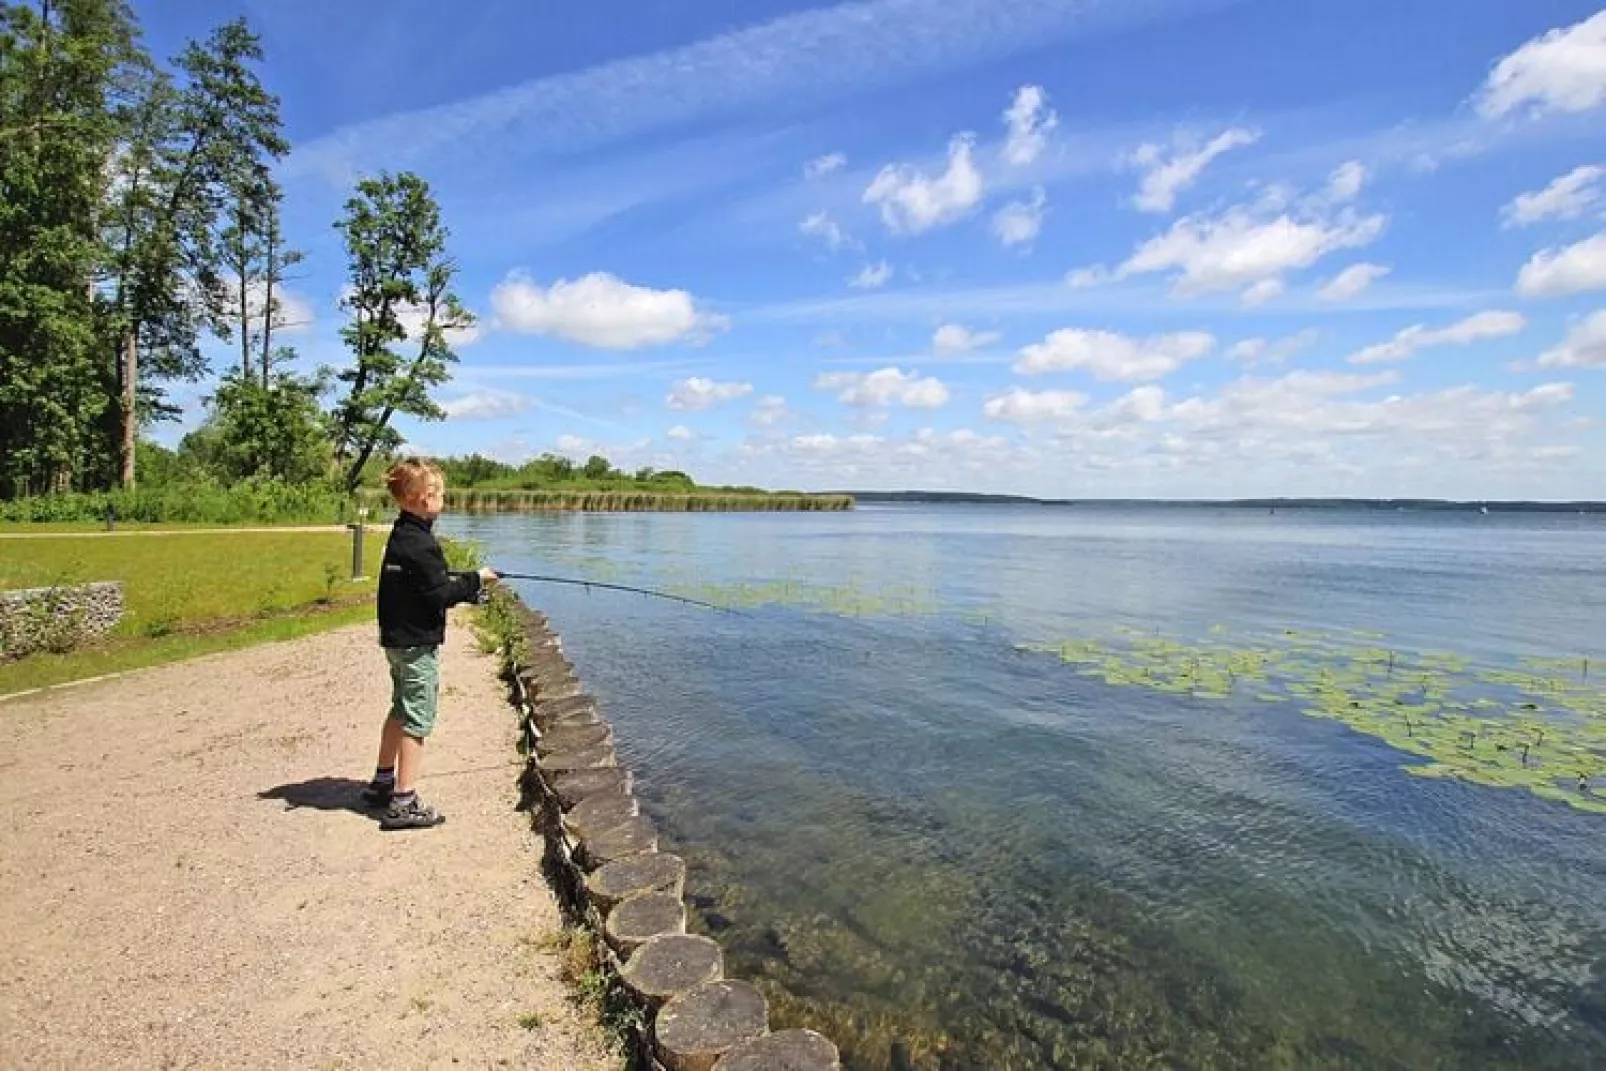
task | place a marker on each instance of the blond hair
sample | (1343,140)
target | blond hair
(407,477)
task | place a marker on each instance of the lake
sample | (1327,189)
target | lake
(1026,787)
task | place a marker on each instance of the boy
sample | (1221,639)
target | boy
(415,590)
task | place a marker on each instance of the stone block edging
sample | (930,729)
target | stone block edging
(603,861)
(62,617)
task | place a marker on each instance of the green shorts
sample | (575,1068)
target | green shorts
(415,686)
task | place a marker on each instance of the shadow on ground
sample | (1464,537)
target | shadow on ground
(321,793)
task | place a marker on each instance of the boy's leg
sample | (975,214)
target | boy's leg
(418,672)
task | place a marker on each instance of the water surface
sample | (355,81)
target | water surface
(915,834)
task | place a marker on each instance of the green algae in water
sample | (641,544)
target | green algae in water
(1535,729)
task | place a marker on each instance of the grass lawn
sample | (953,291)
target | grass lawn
(190,594)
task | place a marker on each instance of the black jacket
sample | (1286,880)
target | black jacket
(415,587)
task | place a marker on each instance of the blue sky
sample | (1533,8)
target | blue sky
(1194,248)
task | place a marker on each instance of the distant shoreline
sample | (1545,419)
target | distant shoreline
(1377,504)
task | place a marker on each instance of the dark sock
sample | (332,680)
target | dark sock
(384,776)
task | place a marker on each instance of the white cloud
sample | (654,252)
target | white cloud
(821,166)
(888,386)
(956,338)
(1018,222)
(1259,351)
(1584,346)
(1081,278)
(1352,281)
(911,202)
(1475,328)
(770,410)
(486,404)
(1567,197)
(1109,356)
(819,225)
(1570,270)
(1165,177)
(412,317)
(1029,119)
(681,433)
(1346,181)
(1019,406)
(1243,246)
(818,56)
(872,276)
(602,310)
(697,393)
(1562,70)
(1259,293)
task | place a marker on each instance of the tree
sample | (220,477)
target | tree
(274,431)
(186,149)
(597,467)
(255,259)
(400,292)
(60,68)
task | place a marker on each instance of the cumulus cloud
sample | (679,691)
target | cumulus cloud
(1475,328)
(1029,119)
(603,311)
(820,225)
(821,166)
(1245,245)
(1584,346)
(698,393)
(1562,70)
(681,433)
(1018,222)
(1167,172)
(1567,197)
(888,386)
(872,276)
(1352,281)
(1109,356)
(911,202)
(1573,269)
(1018,406)
(956,338)
(488,404)
(769,411)
(1346,181)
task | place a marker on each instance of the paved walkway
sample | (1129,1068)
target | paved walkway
(185,880)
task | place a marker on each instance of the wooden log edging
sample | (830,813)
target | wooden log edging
(603,862)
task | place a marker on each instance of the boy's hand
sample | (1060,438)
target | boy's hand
(489,576)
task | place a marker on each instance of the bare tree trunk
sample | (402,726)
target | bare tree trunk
(267,303)
(130,418)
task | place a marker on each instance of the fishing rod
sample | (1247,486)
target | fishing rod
(589,584)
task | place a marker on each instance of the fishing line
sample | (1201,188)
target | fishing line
(589,584)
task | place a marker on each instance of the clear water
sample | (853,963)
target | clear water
(945,851)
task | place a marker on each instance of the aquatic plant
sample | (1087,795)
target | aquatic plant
(1541,727)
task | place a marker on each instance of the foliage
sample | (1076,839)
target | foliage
(400,291)
(58,67)
(477,501)
(259,501)
(272,432)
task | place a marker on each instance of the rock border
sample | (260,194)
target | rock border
(607,857)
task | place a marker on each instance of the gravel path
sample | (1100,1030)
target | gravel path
(184,880)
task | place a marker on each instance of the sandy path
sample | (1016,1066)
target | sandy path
(156,911)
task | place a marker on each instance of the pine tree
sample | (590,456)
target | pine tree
(400,292)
